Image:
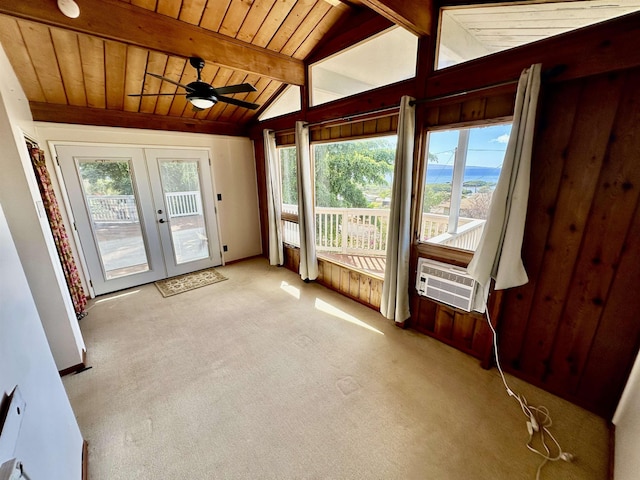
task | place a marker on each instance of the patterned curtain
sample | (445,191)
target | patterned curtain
(59,232)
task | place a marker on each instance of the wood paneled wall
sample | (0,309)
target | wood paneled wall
(382,125)
(359,286)
(574,328)
(466,331)
(491,105)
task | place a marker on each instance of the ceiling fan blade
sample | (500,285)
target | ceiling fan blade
(187,88)
(153,94)
(239,103)
(240,88)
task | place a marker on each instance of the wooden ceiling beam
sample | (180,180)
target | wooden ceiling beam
(48,112)
(123,22)
(414,15)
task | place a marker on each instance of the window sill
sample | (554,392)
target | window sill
(453,256)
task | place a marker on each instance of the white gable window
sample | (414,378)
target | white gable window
(287,102)
(475,31)
(387,58)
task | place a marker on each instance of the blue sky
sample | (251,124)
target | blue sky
(486,145)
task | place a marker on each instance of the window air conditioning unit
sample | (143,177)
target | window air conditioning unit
(445,283)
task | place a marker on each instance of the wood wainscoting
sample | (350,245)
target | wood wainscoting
(466,331)
(359,286)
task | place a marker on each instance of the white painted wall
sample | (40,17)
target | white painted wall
(232,167)
(627,422)
(30,230)
(49,443)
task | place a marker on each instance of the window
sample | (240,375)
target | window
(476,31)
(289,177)
(463,167)
(353,182)
(287,102)
(384,59)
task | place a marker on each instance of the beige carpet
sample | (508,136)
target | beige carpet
(190,281)
(266,377)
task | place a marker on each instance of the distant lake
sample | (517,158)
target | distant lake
(444,173)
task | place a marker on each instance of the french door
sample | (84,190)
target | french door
(142,214)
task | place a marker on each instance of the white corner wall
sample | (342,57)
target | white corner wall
(627,422)
(232,167)
(29,228)
(49,443)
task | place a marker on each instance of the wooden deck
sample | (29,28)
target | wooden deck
(368,264)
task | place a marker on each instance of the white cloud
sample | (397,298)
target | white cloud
(502,139)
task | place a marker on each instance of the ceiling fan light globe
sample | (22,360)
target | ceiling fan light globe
(202,103)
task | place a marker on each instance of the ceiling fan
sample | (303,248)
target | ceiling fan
(201,94)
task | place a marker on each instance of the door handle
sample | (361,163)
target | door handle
(161,220)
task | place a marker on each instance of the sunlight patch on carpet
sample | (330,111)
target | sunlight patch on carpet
(190,281)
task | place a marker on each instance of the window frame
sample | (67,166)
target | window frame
(326,256)
(286,216)
(443,253)
(314,103)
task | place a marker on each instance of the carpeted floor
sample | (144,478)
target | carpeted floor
(265,377)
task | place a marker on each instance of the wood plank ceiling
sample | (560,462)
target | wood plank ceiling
(82,70)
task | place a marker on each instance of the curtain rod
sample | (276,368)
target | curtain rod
(546,75)
(355,116)
(459,94)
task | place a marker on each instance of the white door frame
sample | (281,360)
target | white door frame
(208,188)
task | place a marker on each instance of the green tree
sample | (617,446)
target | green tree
(345,170)
(180,176)
(289,174)
(106,178)
(475,184)
(434,195)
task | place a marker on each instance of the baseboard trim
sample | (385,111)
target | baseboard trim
(85,460)
(231,262)
(75,368)
(72,369)
(612,449)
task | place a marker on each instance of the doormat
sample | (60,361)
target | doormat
(190,281)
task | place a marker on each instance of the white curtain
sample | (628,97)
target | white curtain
(306,221)
(274,198)
(395,290)
(498,255)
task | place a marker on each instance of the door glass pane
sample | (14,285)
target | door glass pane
(113,208)
(183,199)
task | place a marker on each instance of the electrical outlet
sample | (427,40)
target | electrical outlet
(219,197)
(224,248)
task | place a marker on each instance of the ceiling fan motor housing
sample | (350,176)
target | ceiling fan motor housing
(200,89)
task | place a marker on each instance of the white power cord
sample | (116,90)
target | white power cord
(538,418)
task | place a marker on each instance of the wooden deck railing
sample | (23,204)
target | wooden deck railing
(122,208)
(113,208)
(361,231)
